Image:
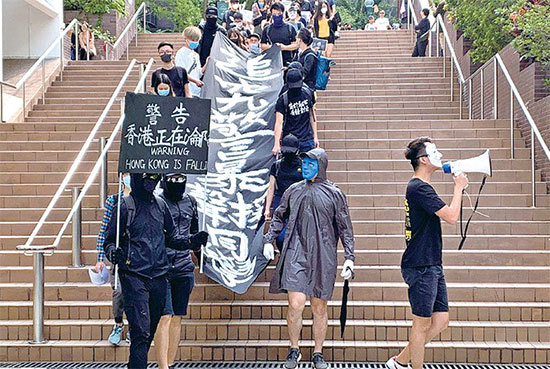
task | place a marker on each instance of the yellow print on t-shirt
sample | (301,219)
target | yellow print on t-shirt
(408,231)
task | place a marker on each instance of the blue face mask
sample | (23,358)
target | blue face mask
(255,49)
(278,20)
(261,5)
(126,181)
(193,44)
(164,92)
(310,168)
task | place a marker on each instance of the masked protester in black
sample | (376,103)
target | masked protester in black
(209,30)
(142,259)
(181,279)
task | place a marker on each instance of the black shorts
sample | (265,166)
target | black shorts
(177,295)
(330,39)
(427,290)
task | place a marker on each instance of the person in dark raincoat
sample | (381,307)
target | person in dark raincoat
(318,216)
(146,229)
(181,273)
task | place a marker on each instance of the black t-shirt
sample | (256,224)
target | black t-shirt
(286,173)
(309,61)
(297,113)
(422,226)
(207,39)
(286,34)
(178,77)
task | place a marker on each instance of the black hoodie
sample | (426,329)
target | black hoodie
(152,230)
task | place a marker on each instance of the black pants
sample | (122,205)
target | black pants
(144,301)
(420,48)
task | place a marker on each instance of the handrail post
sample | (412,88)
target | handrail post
(43,83)
(445,60)
(512,148)
(61,59)
(482,82)
(452,81)
(88,33)
(412,26)
(437,37)
(495,90)
(38,299)
(2,103)
(408,14)
(143,88)
(104,173)
(24,90)
(460,98)
(470,98)
(533,183)
(430,34)
(76,46)
(77,229)
(145,19)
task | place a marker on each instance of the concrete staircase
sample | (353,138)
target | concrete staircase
(378,99)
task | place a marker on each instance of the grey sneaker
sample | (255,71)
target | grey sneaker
(317,362)
(293,358)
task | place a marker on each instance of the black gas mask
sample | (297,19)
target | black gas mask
(175,185)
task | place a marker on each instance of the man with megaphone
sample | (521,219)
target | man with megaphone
(421,265)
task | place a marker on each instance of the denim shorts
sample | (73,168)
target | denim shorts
(305,146)
(177,295)
(427,290)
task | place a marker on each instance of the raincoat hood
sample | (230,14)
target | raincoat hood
(321,156)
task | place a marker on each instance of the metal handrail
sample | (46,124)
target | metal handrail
(80,156)
(451,50)
(97,166)
(142,8)
(21,83)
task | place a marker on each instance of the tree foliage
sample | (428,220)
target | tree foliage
(182,13)
(353,11)
(96,7)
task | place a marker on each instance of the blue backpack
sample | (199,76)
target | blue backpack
(323,71)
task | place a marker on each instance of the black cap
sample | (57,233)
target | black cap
(254,35)
(294,78)
(211,11)
(290,144)
(234,1)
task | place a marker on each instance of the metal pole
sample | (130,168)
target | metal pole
(430,44)
(482,114)
(104,173)
(412,20)
(512,148)
(141,72)
(61,57)
(444,60)
(43,83)
(460,98)
(470,98)
(437,36)
(24,101)
(452,81)
(77,229)
(408,14)
(495,90)
(533,184)
(88,44)
(2,103)
(144,19)
(38,298)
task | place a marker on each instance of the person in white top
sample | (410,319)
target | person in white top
(187,58)
(382,23)
(370,26)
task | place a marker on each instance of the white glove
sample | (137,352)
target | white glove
(269,251)
(347,269)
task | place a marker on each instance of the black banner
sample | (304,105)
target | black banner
(244,90)
(164,135)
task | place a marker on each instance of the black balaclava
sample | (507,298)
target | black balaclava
(142,188)
(173,191)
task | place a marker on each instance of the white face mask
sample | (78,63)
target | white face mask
(324,10)
(433,155)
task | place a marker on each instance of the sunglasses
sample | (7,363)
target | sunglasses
(153,176)
(178,179)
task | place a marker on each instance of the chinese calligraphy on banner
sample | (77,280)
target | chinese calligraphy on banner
(243,90)
(164,135)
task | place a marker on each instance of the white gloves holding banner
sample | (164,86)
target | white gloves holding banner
(347,269)
(269,251)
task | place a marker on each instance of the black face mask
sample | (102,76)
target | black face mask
(166,58)
(175,189)
(290,155)
(149,184)
(211,22)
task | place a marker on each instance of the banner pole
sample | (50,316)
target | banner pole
(201,270)
(117,244)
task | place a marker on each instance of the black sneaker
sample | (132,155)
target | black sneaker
(293,358)
(317,362)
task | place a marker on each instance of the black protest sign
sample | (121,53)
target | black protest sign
(319,44)
(164,135)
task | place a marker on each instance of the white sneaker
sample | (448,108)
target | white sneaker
(393,364)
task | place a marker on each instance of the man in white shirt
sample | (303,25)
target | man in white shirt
(188,59)
(382,23)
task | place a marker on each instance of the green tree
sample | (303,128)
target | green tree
(96,7)
(182,13)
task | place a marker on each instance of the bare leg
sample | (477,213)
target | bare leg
(296,304)
(437,324)
(162,338)
(320,322)
(175,336)
(330,49)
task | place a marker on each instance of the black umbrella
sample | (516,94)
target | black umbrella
(344,307)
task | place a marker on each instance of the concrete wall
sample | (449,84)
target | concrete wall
(1,43)
(30,30)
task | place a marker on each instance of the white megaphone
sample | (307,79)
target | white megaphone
(479,164)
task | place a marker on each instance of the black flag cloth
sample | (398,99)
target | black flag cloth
(243,90)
